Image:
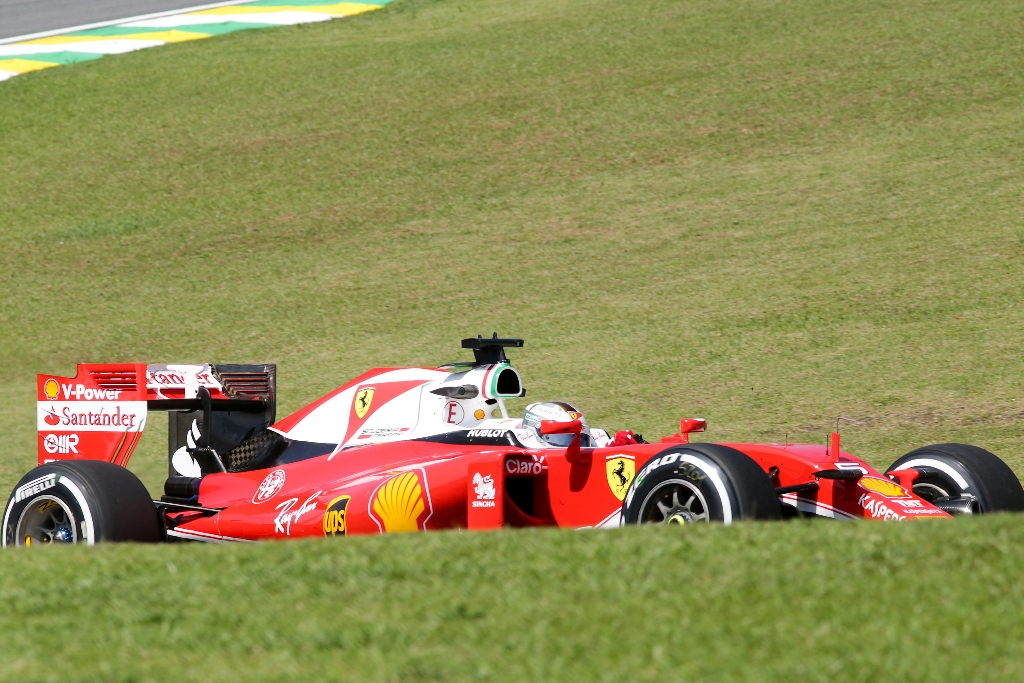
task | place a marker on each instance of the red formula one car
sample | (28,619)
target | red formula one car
(412,449)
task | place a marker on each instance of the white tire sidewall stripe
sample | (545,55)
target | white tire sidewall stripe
(90,532)
(7,517)
(716,478)
(939,465)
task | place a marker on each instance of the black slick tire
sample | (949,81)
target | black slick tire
(700,483)
(80,501)
(956,471)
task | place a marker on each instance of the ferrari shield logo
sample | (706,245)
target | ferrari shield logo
(620,470)
(364,397)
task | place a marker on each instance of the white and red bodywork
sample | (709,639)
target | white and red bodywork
(100,413)
(402,451)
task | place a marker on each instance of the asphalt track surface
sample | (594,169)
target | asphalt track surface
(23,17)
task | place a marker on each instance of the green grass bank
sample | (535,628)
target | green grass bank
(763,213)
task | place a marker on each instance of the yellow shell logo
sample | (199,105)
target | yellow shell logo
(620,471)
(399,503)
(51,389)
(364,397)
(883,486)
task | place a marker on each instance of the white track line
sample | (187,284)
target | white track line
(115,22)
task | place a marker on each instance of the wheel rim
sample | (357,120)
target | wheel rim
(674,501)
(46,520)
(931,492)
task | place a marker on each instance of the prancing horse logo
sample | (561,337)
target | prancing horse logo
(620,470)
(364,397)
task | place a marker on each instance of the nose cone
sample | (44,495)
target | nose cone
(880,498)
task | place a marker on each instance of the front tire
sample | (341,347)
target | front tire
(963,479)
(80,501)
(700,483)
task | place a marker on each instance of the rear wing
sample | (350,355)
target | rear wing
(101,412)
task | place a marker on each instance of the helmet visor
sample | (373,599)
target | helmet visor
(560,440)
(563,440)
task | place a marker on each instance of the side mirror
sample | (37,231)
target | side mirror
(572,452)
(687,426)
(692,424)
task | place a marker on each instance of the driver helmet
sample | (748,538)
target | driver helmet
(561,412)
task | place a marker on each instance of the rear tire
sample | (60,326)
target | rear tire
(963,479)
(80,501)
(700,483)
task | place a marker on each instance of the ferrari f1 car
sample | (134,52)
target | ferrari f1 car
(416,449)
